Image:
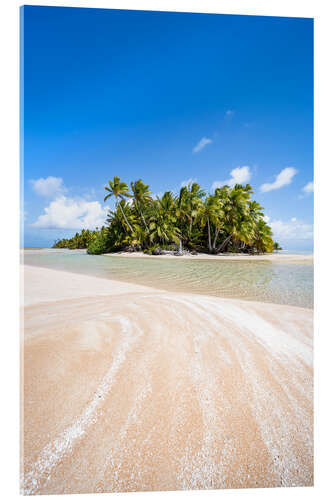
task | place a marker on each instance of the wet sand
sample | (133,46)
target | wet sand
(127,388)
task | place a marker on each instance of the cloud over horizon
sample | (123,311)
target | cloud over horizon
(70,213)
(292,229)
(48,187)
(201,144)
(282,179)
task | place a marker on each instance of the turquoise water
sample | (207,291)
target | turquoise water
(257,280)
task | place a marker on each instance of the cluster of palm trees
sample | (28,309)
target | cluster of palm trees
(227,220)
(79,240)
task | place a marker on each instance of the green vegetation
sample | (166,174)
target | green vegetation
(100,244)
(79,240)
(226,221)
(276,246)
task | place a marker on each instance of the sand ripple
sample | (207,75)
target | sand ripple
(166,391)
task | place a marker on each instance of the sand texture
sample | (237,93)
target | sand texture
(130,389)
(277,258)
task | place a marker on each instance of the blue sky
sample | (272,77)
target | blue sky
(165,97)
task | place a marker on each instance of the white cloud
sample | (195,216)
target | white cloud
(266,218)
(48,187)
(291,230)
(239,175)
(201,144)
(188,181)
(70,213)
(282,179)
(308,188)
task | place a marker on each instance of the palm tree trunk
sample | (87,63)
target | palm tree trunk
(144,220)
(217,231)
(122,211)
(225,242)
(140,212)
(209,237)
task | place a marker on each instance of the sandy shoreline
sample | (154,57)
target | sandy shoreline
(127,388)
(274,257)
(49,285)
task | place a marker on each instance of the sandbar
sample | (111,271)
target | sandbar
(128,388)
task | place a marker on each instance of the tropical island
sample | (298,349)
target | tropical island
(190,221)
(168,344)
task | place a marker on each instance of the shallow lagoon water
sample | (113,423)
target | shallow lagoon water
(257,280)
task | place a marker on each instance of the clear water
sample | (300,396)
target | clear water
(257,280)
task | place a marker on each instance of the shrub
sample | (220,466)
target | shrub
(99,245)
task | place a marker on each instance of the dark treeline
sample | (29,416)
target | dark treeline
(226,221)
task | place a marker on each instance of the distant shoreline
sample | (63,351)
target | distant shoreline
(278,258)
(274,257)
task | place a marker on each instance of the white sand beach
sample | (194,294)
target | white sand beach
(128,388)
(277,258)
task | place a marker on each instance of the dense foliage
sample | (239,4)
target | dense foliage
(227,220)
(79,240)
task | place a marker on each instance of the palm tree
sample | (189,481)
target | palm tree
(166,205)
(248,222)
(216,221)
(141,196)
(181,211)
(276,246)
(263,241)
(120,190)
(163,220)
(209,216)
(222,195)
(79,240)
(195,195)
(188,206)
(235,210)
